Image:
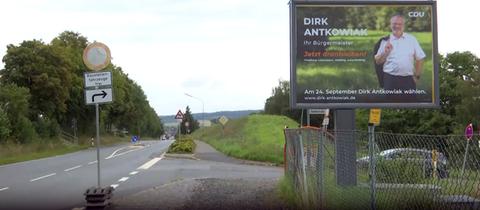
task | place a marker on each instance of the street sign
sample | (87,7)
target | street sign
(179,115)
(98,96)
(134,139)
(97,79)
(469,132)
(319,111)
(96,56)
(375,116)
(325,122)
(223,120)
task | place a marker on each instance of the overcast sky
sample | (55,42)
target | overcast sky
(229,53)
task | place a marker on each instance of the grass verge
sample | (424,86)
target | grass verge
(256,137)
(185,145)
(13,153)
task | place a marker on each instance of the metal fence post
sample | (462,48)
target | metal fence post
(302,156)
(371,154)
(321,178)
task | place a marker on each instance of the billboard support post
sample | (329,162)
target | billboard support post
(345,148)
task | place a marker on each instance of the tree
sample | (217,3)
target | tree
(4,126)
(14,101)
(188,119)
(44,71)
(279,102)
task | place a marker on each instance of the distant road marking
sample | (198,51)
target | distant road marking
(114,186)
(149,164)
(116,155)
(93,162)
(72,168)
(123,179)
(5,188)
(42,177)
(133,172)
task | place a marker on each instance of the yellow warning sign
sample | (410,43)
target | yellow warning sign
(375,116)
(223,120)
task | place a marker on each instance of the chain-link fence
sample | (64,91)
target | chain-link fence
(404,171)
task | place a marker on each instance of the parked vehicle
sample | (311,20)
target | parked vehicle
(422,156)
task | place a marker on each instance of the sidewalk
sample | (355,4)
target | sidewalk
(204,151)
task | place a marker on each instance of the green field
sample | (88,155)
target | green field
(355,75)
(256,137)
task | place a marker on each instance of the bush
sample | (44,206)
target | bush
(26,131)
(47,128)
(183,145)
(4,126)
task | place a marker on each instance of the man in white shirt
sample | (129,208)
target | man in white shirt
(402,57)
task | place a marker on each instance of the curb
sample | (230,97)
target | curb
(181,156)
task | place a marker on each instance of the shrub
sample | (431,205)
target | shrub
(183,145)
(4,126)
(26,131)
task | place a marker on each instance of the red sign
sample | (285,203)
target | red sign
(179,115)
(469,132)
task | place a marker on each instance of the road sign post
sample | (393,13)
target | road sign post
(97,123)
(223,120)
(374,120)
(179,117)
(98,89)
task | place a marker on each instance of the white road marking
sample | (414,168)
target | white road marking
(42,177)
(72,168)
(151,162)
(114,152)
(5,188)
(93,162)
(116,155)
(123,179)
(114,186)
(133,172)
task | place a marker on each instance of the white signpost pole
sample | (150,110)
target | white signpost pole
(96,56)
(97,122)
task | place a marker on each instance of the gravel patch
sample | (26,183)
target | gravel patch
(212,193)
(209,193)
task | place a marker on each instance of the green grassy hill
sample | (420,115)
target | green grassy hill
(256,137)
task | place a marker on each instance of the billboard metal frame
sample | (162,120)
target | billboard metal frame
(293,55)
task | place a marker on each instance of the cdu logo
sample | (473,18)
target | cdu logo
(416,14)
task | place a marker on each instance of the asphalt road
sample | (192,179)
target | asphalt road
(59,182)
(207,182)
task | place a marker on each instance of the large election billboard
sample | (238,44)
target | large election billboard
(363,54)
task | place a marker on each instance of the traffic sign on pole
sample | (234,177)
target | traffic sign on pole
(469,132)
(223,120)
(98,96)
(98,79)
(179,115)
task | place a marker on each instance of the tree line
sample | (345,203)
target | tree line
(42,94)
(459,84)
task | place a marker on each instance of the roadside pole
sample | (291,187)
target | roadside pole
(97,122)
(371,155)
(179,117)
(374,120)
(468,136)
(98,90)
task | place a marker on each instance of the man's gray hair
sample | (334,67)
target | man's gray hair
(397,16)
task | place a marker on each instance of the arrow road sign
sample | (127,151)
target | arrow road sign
(98,96)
